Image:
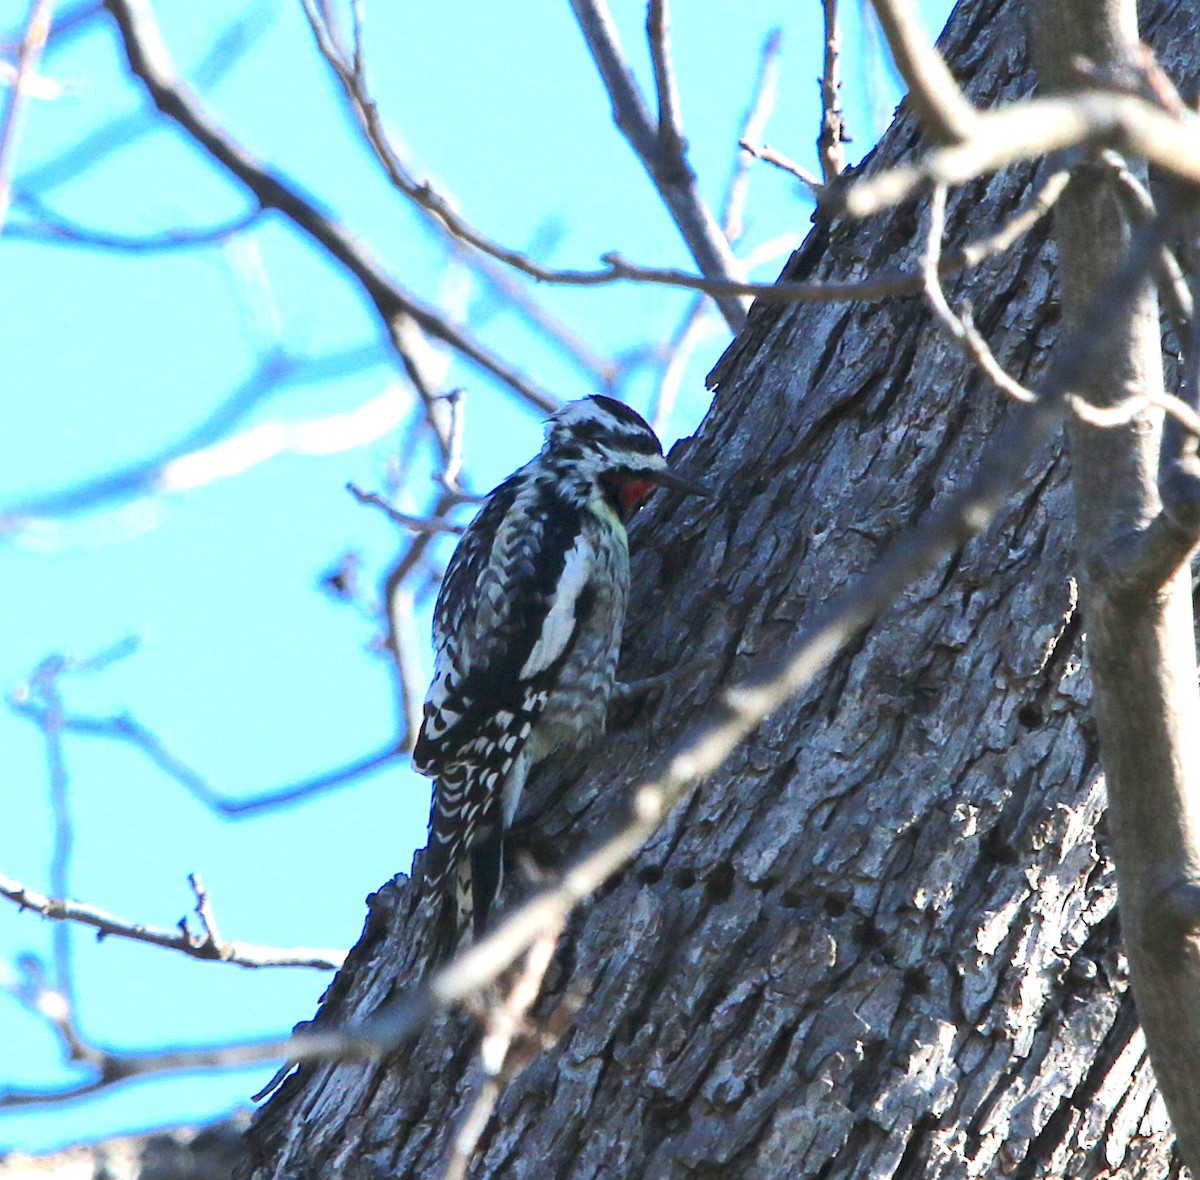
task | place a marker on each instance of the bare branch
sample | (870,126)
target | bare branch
(36,29)
(944,112)
(435,203)
(671,176)
(961,329)
(833,131)
(318,436)
(234,41)
(144,478)
(403,642)
(451,471)
(473,248)
(210,947)
(418,524)
(69,24)
(41,224)
(770,156)
(1139,208)
(1036,208)
(680,348)
(398,605)
(150,61)
(124,727)
(695,322)
(672,147)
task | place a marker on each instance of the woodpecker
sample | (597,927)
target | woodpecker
(526,633)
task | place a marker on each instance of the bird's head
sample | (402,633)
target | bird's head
(615,447)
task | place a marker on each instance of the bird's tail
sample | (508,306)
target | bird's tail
(464,867)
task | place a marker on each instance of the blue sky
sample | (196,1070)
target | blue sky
(245,668)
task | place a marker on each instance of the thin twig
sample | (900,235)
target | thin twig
(418,524)
(833,131)
(36,30)
(142,479)
(403,643)
(695,323)
(124,727)
(770,156)
(210,948)
(227,49)
(671,146)
(44,684)
(456,399)
(961,329)
(259,444)
(1138,205)
(151,63)
(680,348)
(41,224)
(677,186)
(438,207)
(703,236)
(1042,201)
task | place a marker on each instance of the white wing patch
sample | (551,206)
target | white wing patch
(560,622)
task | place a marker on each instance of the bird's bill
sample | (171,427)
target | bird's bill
(668,479)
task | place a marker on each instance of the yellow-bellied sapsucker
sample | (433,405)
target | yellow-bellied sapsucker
(526,634)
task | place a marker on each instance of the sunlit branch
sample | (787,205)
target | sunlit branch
(510,1041)
(943,110)
(1032,128)
(259,444)
(776,158)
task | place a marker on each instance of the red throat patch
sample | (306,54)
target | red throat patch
(632,490)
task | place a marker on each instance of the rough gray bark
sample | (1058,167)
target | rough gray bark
(882,941)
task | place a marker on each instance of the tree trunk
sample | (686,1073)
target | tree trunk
(882,942)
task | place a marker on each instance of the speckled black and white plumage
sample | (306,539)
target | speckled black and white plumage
(526,634)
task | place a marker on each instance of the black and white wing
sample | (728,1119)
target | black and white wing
(508,612)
